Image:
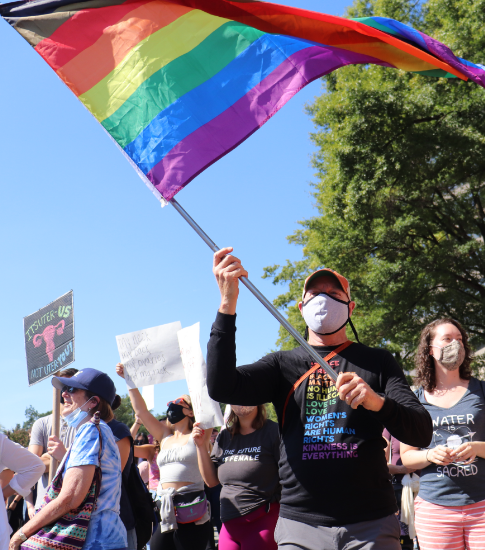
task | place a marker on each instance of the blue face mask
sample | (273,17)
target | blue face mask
(75,418)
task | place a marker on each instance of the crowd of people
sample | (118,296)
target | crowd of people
(364,463)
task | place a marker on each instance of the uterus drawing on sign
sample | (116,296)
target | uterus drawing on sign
(48,337)
(453,438)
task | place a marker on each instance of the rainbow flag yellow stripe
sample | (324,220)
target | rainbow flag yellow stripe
(180,83)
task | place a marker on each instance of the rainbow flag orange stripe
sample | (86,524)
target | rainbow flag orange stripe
(180,83)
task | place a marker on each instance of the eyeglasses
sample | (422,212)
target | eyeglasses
(69,389)
(179,401)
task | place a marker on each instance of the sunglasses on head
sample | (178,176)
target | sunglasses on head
(69,389)
(179,401)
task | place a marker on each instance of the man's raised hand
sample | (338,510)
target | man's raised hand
(227,270)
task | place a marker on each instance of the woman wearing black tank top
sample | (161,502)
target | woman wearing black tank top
(450,507)
(179,470)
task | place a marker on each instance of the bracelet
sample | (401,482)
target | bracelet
(427,459)
(138,424)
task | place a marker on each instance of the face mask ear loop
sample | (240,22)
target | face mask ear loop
(353,330)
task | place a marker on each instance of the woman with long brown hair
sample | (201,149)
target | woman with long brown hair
(450,507)
(185,521)
(245,461)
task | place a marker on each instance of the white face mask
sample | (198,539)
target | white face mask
(325,315)
(452,355)
(241,410)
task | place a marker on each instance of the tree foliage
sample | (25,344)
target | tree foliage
(125,413)
(18,435)
(31,414)
(400,187)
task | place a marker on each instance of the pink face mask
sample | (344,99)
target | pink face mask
(241,410)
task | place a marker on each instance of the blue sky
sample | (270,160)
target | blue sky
(74,215)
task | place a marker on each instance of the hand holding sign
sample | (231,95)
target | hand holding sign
(151,356)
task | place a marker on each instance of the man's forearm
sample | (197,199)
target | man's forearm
(407,423)
(247,385)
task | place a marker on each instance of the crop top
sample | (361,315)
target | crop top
(180,464)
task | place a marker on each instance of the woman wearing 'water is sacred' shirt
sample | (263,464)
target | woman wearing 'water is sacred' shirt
(450,507)
(245,461)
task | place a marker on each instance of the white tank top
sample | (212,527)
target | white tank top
(180,464)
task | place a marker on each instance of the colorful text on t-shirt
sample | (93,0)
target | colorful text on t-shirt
(325,427)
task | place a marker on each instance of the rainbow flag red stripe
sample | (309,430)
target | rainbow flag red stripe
(180,83)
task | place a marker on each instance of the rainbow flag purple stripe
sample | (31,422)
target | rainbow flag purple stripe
(180,83)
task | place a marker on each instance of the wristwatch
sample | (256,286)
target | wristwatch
(22,535)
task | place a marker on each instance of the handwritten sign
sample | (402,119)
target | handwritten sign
(151,356)
(49,338)
(206,410)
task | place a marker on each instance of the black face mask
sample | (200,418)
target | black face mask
(175,413)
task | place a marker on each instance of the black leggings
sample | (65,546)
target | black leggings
(188,536)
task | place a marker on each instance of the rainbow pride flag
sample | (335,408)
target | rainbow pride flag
(180,83)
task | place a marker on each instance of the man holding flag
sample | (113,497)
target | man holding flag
(336,489)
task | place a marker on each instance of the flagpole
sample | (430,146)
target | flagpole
(266,303)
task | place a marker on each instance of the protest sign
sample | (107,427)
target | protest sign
(49,338)
(206,410)
(148,394)
(151,356)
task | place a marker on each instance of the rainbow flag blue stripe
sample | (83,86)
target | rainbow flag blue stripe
(180,83)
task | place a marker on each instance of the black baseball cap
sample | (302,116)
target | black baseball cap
(91,380)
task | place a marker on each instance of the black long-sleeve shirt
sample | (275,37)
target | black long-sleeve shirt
(332,467)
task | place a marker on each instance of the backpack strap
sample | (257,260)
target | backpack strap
(331,355)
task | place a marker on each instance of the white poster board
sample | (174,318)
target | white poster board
(206,410)
(148,394)
(151,356)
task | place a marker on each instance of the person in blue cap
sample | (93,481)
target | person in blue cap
(86,393)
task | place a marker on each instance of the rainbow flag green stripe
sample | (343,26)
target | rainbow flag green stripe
(180,83)
(183,74)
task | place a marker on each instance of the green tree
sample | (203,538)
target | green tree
(125,413)
(400,187)
(18,435)
(271,412)
(31,414)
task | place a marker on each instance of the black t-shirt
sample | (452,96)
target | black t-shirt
(247,466)
(120,431)
(332,468)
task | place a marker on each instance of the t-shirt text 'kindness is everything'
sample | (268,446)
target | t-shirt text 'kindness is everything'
(322,425)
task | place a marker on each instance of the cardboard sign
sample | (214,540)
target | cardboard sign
(49,338)
(206,410)
(151,356)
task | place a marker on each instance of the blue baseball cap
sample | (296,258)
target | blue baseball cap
(91,380)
